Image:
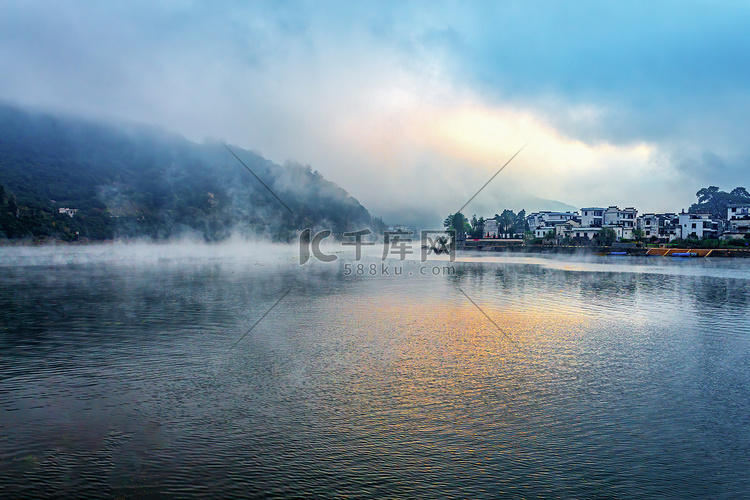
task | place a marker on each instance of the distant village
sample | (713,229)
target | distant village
(587,224)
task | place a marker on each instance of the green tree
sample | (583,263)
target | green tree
(705,195)
(607,236)
(477,230)
(506,221)
(714,201)
(521,225)
(458,223)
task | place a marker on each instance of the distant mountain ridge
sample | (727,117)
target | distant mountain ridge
(133,181)
(540,204)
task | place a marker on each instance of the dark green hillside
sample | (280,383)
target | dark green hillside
(131,181)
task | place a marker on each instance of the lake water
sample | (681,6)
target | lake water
(125,374)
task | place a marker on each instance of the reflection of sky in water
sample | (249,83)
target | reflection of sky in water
(620,378)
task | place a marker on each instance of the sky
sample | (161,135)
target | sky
(413,106)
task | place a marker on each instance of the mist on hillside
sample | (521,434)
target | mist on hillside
(132,181)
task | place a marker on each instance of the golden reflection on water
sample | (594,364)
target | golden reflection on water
(434,360)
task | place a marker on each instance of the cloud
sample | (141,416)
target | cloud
(411,106)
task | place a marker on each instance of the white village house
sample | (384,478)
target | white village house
(67,211)
(664,227)
(699,225)
(592,217)
(738,221)
(550,219)
(490,228)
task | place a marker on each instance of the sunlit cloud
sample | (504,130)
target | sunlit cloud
(464,142)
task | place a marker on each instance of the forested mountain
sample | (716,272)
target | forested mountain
(130,181)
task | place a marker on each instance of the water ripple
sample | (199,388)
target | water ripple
(622,381)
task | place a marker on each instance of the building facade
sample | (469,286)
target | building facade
(548,218)
(490,228)
(660,227)
(699,226)
(592,217)
(626,217)
(738,221)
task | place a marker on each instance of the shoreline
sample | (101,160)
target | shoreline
(607,250)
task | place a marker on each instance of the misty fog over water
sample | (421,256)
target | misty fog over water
(138,370)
